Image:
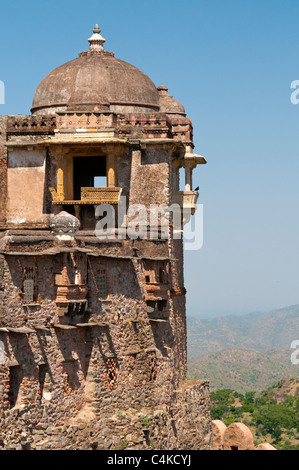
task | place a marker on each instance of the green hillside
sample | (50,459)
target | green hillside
(243,370)
(247,352)
(272,415)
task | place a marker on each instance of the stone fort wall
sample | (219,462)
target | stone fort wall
(114,381)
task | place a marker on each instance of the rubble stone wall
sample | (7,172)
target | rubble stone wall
(118,383)
(3,169)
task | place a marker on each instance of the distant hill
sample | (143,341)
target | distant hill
(243,370)
(243,353)
(257,331)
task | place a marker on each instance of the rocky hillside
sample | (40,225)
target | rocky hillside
(256,331)
(243,370)
(249,352)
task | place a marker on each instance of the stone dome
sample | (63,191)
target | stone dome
(168,104)
(96,75)
(64,225)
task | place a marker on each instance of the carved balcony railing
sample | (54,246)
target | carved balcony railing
(104,195)
(71,293)
(89,196)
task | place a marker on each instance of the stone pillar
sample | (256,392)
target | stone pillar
(60,185)
(135,166)
(3,168)
(112,171)
(176,175)
(188,176)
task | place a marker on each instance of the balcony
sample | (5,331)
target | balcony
(71,293)
(90,196)
(186,200)
(156,291)
(104,195)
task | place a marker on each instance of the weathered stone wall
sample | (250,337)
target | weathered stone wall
(178,322)
(94,332)
(26,186)
(3,169)
(110,385)
(131,331)
(150,176)
(42,428)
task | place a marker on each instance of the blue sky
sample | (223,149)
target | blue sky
(231,64)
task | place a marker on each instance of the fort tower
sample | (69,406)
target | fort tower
(93,324)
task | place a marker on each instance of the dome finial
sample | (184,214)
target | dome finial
(96,41)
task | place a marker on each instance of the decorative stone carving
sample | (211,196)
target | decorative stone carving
(65,226)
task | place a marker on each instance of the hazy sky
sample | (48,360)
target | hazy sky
(231,63)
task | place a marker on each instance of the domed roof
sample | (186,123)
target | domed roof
(96,75)
(169,105)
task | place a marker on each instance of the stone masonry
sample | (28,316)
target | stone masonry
(236,436)
(93,328)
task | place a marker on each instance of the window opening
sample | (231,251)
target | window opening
(111,374)
(89,172)
(153,367)
(15,380)
(100,182)
(102,285)
(162,304)
(161,276)
(28,286)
